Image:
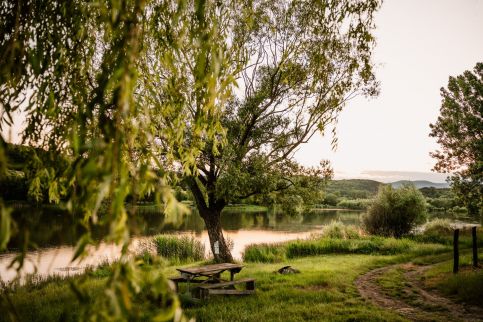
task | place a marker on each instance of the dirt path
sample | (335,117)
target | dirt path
(423,306)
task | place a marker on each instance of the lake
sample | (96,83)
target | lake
(54,232)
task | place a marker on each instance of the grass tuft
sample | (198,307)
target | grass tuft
(337,229)
(179,248)
(265,253)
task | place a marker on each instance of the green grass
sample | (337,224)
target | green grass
(466,286)
(179,249)
(50,299)
(323,291)
(392,282)
(441,235)
(269,253)
(265,253)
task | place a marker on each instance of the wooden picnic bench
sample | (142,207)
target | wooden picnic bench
(209,281)
(205,290)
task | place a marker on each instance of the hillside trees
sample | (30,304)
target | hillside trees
(295,64)
(459,132)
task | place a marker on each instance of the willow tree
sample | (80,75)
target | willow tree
(72,67)
(295,65)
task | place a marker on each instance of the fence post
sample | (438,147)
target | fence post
(475,247)
(456,255)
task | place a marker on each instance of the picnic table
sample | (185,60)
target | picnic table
(209,281)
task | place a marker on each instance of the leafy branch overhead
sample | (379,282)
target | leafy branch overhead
(73,68)
(284,71)
(459,132)
(131,92)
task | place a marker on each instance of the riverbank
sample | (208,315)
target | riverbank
(325,288)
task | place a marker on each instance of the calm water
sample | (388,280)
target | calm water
(53,233)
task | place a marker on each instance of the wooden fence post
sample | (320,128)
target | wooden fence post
(475,247)
(456,255)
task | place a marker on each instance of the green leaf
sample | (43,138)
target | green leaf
(81,246)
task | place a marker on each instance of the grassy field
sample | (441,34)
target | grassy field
(324,289)
(466,286)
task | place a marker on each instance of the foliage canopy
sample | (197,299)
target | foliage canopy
(295,65)
(459,132)
(73,68)
(130,91)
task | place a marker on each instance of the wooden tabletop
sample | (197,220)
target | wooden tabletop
(210,269)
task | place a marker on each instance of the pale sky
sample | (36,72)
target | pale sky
(420,43)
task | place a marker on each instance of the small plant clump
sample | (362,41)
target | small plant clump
(438,226)
(395,212)
(337,229)
(179,249)
(265,253)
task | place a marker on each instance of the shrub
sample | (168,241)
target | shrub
(459,209)
(438,227)
(395,212)
(179,249)
(355,204)
(330,199)
(336,229)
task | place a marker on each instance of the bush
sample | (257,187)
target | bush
(330,199)
(441,231)
(355,204)
(179,249)
(438,227)
(395,212)
(337,229)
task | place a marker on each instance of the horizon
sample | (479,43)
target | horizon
(393,176)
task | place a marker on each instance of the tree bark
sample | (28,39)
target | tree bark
(219,248)
(211,214)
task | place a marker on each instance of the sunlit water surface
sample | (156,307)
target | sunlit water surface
(54,233)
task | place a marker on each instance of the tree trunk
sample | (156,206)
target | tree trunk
(211,214)
(219,247)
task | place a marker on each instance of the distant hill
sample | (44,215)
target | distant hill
(363,188)
(353,188)
(420,184)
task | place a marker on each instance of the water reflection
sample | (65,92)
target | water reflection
(51,227)
(52,234)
